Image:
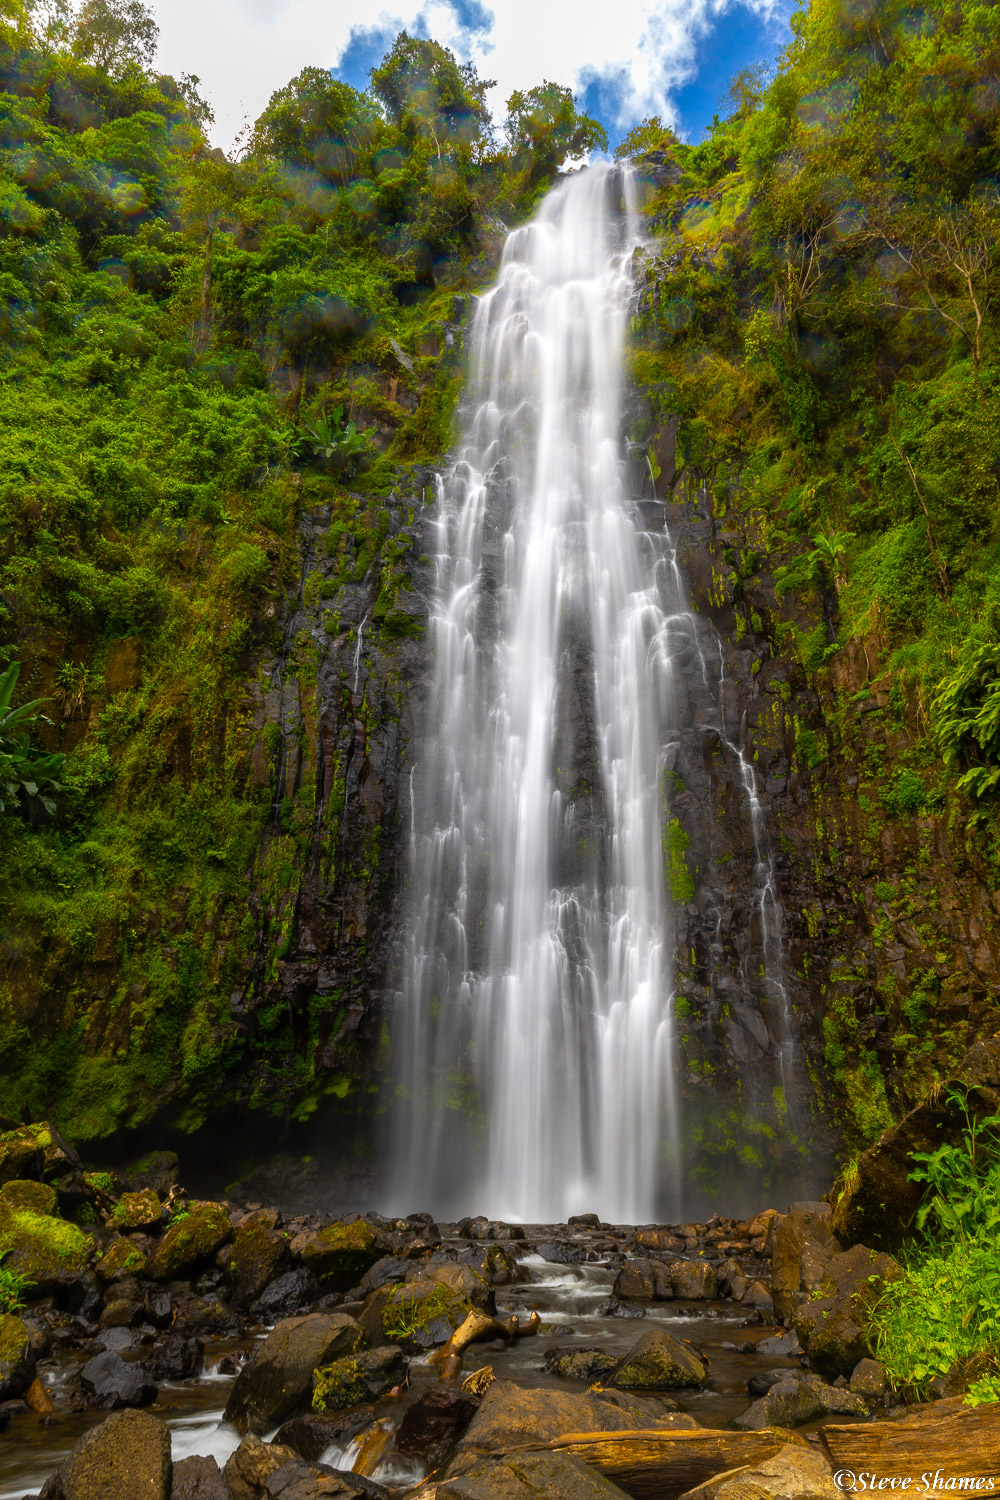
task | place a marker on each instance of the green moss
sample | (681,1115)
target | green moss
(339,1386)
(680,880)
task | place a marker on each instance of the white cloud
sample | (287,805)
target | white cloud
(242,50)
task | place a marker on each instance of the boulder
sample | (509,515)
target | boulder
(198,1479)
(20,1154)
(795,1397)
(177,1358)
(658,1362)
(36,1197)
(277,1379)
(419,1315)
(259,1254)
(868,1379)
(875,1204)
(188,1242)
(693,1280)
(310,1435)
(635,1280)
(434,1423)
(17,1357)
(300,1481)
(52,1254)
(127,1457)
(111,1383)
(141,1210)
(205,1317)
(123,1258)
(658,1239)
(340,1254)
(249,1468)
(580,1364)
(832,1327)
(530,1476)
(156,1170)
(286,1295)
(802,1473)
(512,1416)
(802,1245)
(358,1378)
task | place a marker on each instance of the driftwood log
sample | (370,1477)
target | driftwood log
(959,1440)
(658,1464)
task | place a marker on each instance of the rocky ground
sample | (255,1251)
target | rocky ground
(369,1356)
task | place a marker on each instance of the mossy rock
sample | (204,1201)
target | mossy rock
(127,1457)
(142,1210)
(36,1197)
(45,1249)
(357,1378)
(122,1258)
(423,1314)
(340,1254)
(259,1253)
(20,1155)
(190,1241)
(17,1365)
(658,1362)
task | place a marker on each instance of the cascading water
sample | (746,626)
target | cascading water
(533,1032)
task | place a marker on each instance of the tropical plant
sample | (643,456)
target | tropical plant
(23,773)
(966,714)
(343,447)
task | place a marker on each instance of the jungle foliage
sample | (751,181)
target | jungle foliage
(192,347)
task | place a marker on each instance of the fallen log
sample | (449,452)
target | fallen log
(654,1464)
(947,1435)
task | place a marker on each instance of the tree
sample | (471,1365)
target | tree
(428,95)
(649,135)
(115,35)
(316,121)
(544,128)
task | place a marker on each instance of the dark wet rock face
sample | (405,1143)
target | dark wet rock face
(434,1423)
(277,1380)
(111,1382)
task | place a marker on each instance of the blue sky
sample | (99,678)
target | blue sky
(624,60)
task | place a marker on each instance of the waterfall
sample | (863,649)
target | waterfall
(533,1031)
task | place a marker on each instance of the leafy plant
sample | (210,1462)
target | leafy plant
(343,447)
(13,1287)
(24,773)
(966,713)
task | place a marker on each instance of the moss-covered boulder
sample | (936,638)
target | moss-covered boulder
(833,1325)
(358,1378)
(17,1363)
(420,1315)
(20,1154)
(189,1242)
(658,1362)
(340,1254)
(157,1170)
(45,1249)
(276,1381)
(142,1210)
(122,1259)
(259,1253)
(36,1197)
(127,1457)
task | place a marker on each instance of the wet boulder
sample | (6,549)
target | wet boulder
(314,1432)
(205,1317)
(249,1468)
(358,1378)
(434,1423)
(17,1357)
(799,1471)
(803,1244)
(419,1315)
(285,1296)
(832,1327)
(189,1242)
(580,1364)
(141,1210)
(51,1253)
(530,1476)
(177,1358)
(693,1280)
(127,1457)
(258,1255)
(277,1380)
(20,1154)
(36,1197)
(658,1362)
(123,1258)
(636,1281)
(339,1254)
(869,1380)
(512,1416)
(112,1383)
(301,1481)
(199,1479)
(157,1170)
(787,1403)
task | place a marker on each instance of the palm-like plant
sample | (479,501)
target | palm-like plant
(23,772)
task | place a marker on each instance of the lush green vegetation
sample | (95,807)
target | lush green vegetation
(821,310)
(192,350)
(943,1317)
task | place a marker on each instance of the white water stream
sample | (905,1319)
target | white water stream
(533,1033)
